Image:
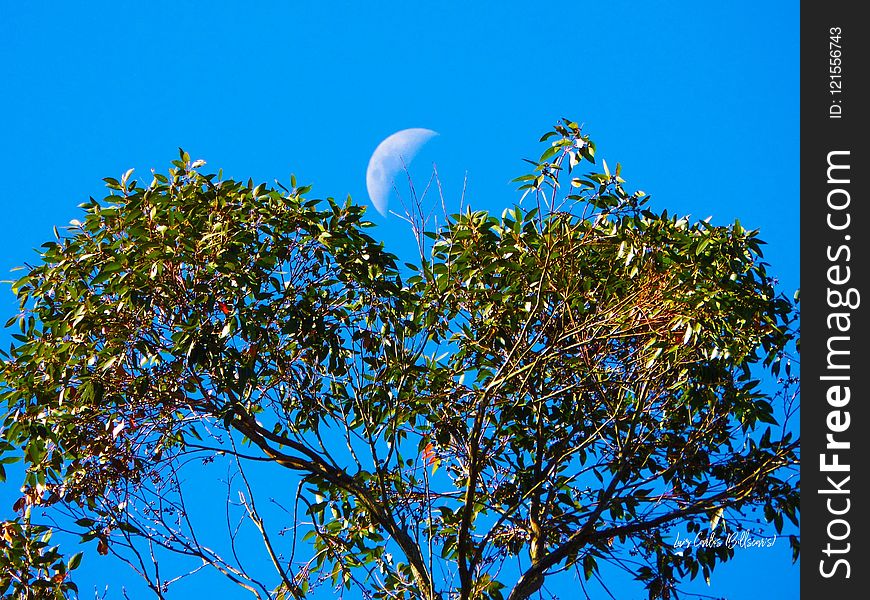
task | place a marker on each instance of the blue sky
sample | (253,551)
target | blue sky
(698,101)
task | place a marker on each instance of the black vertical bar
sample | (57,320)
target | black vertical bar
(835,299)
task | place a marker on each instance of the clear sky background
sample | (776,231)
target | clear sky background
(698,101)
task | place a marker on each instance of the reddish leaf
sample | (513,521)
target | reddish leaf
(429,454)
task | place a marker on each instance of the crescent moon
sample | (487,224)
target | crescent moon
(391,156)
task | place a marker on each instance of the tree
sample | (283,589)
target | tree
(555,388)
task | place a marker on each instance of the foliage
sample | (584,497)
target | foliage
(555,388)
(31,568)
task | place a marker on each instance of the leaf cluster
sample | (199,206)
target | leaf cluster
(559,386)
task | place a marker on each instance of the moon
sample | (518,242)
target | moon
(389,158)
